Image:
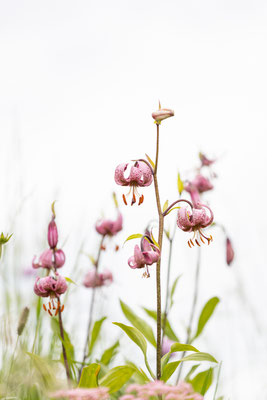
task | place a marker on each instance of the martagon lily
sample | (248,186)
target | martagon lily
(140,175)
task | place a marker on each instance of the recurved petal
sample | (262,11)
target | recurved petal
(119,175)
(183,220)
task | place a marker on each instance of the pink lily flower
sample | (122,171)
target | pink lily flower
(202,184)
(195,221)
(52,235)
(108,227)
(46,259)
(147,255)
(230,254)
(140,175)
(50,286)
(93,279)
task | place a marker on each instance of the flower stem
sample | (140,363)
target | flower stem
(193,309)
(167,289)
(67,368)
(160,237)
(86,345)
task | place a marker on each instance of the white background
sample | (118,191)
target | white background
(78,83)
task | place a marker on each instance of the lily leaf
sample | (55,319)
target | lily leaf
(205,315)
(117,377)
(89,376)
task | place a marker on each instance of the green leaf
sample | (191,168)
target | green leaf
(95,333)
(202,381)
(134,236)
(168,329)
(173,289)
(115,200)
(109,353)
(70,280)
(199,357)
(89,376)
(150,161)
(165,206)
(165,360)
(180,184)
(168,370)
(182,347)
(138,338)
(138,323)
(191,371)
(140,375)
(117,377)
(205,315)
(135,335)
(154,240)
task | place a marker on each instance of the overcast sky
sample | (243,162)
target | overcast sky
(78,83)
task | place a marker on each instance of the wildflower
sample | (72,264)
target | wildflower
(205,161)
(183,391)
(202,184)
(140,175)
(195,221)
(100,393)
(108,227)
(166,346)
(52,235)
(93,279)
(3,240)
(161,114)
(53,288)
(229,252)
(147,255)
(49,259)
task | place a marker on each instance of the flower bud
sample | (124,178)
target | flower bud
(162,113)
(23,320)
(52,235)
(229,252)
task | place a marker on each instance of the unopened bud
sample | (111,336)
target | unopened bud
(162,113)
(52,235)
(229,252)
(23,320)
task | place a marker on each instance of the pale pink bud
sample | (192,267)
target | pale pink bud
(162,113)
(166,346)
(52,235)
(229,252)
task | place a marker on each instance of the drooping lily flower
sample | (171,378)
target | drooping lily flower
(94,279)
(194,221)
(148,254)
(51,287)
(230,254)
(161,114)
(202,183)
(48,260)
(108,227)
(140,175)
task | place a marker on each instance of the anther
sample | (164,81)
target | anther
(133,199)
(49,305)
(202,240)
(197,242)
(62,308)
(189,244)
(191,241)
(44,307)
(117,247)
(103,247)
(49,312)
(124,199)
(141,200)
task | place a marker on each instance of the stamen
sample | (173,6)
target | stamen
(133,199)
(197,243)
(49,312)
(201,239)
(62,308)
(53,304)
(117,247)
(141,200)
(103,248)
(191,241)
(44,307)
(49,305)
(124,199)
(189,244)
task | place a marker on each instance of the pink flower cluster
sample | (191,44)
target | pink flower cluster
(183,391)
(51,259)
(99,393)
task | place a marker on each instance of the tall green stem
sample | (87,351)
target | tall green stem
(160,237)
(86,345)
(193,309)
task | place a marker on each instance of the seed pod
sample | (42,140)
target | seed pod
(23,320)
